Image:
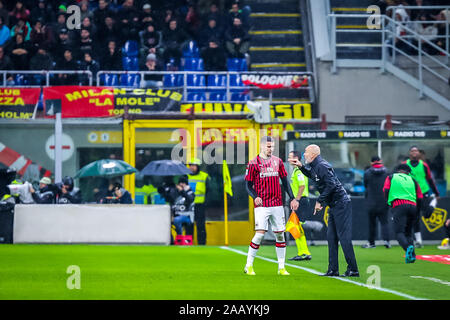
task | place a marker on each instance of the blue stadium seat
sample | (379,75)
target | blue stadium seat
(235,64)
(173,80)
(217,80)
(130,49)
(235,81)
(193,64)
(130,80)
(172,65)
(236,96)
(191,50)
(218,96)
(195,80)
(109,79)
(130,63)
(196,96)
(20,80)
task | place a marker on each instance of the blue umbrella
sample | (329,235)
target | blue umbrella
(165,168)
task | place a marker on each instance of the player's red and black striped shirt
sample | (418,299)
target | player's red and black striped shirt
(265,175)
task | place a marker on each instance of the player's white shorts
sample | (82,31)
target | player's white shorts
(273,214)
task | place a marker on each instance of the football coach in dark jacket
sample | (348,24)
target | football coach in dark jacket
(333,194)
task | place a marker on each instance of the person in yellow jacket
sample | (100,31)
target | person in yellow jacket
(299,186)
(198,181)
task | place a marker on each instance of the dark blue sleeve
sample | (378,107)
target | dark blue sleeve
(326,175)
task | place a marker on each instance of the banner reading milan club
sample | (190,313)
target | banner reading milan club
(275,81)
(88,102)
(18,103)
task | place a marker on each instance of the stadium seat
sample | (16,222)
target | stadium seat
(217,80)
(235,64)
(173,80)
(109,79)
(193,64)
(172,65)
(236,96)
(195,80)
(130,49)
(235,81)
(191,50)
(218,96)
(130,80)
(130,63)
(196,96)
(20,80)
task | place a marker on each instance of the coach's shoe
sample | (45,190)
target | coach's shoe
(283,272)
(249,270)
(301,258)
(368,246)
(330,274)
(350,273)
(410,255)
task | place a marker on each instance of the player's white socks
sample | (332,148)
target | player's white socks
(280,248)
(418,236)
(253,248)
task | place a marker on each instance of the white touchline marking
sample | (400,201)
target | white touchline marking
(404,295)
(447,283)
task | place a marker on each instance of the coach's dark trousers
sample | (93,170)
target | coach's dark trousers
(340,230)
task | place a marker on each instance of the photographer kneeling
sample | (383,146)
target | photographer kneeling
(181,199)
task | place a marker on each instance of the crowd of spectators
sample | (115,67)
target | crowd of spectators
(430,24)
(41,35)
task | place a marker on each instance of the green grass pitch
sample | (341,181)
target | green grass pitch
(207,273)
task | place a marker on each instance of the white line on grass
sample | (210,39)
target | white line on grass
(447,283)
(404,295)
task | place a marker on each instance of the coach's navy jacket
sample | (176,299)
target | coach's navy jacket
(324,177)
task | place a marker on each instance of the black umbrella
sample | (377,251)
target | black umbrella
(165,168)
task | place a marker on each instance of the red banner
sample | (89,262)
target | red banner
(88,102)
(78,102)
(267,81)
(18,103)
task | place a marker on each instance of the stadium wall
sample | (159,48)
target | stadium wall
(92,224)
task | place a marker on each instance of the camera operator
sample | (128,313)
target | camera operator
(47,192)
(67,193)
(181,199)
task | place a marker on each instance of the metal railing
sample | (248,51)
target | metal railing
(227,88)
(43,77)
(390,40)
(46,78)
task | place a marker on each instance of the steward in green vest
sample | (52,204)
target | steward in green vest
(403,194)
(198,181)
(421,172)
(300,190)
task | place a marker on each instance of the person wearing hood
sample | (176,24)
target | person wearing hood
(122,196)
(67,192)
(377,208)
(46,194)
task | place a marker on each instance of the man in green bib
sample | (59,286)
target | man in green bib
(404,196)
(299,186)
(421,172)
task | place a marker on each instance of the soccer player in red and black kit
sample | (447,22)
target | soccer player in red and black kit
(263,185)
